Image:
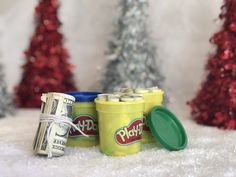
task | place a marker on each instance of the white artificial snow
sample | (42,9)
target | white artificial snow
(210,152)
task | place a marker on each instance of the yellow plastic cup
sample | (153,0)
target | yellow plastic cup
(151,99)
(84,115)
(120,126)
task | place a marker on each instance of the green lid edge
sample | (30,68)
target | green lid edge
(159,139)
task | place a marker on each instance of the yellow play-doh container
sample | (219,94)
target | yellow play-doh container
(120,126)
(151,99)
(84,116)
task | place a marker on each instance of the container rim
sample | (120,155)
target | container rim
(118,103)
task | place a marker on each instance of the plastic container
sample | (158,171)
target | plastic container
(151,99)
(84,115)
(120,126)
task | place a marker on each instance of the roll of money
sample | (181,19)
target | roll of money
(118,93)
(103,97)
(141,90)
(126,90)
(54,104)
(38,133)
(113,98)
(136,95)
(127,98)
(153,89)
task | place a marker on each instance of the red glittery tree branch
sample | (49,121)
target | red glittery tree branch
(215,103)
(46,68)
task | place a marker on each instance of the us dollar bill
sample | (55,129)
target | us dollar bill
(37,137)
(57,104)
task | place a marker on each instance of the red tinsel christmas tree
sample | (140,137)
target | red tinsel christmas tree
(46,68)
(215,103)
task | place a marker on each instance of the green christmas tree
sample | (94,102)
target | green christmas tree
(131,54)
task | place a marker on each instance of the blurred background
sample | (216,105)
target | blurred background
(180,29)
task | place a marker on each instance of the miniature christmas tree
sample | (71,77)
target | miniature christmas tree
(215,103)
(46,68)
(131,53)
(6,104)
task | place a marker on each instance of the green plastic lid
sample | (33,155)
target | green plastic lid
(167,129)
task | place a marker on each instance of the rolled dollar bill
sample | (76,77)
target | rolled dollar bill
(103,96)
(113,98)
(141,90)
(126,90)
(37,135)
(127,98)
(154,89)
(53,129)
(137,96)
(118,93)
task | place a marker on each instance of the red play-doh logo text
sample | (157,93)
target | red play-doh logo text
(87,124)
(130,134)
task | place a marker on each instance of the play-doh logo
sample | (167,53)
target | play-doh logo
(87,124)
(130,134)
(145,124)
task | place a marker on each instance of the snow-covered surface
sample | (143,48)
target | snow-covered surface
(210,152)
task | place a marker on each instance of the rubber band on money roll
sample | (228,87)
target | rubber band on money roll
(55,119)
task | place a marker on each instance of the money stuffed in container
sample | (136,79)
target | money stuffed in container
(54,125)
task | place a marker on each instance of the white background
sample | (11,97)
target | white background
(180,28)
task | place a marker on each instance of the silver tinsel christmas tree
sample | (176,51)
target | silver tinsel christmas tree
(6,101)
(6,104)
(132,55)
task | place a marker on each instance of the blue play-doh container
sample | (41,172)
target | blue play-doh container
(84,116)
